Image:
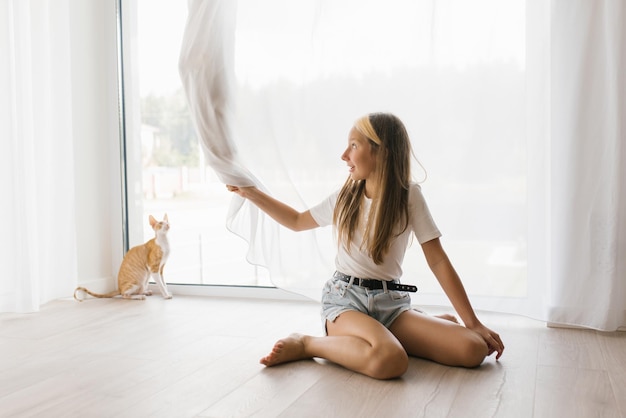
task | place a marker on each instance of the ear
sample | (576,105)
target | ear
(165,218)
(152,221)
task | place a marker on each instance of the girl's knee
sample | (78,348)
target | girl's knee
(388,362)
(474,350)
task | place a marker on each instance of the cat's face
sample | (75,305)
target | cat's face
(162,227)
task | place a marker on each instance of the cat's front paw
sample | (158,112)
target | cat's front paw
(168,296)
(148,293)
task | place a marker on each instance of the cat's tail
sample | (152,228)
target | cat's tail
(95,295)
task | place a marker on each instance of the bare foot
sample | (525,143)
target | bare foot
(286,350)
(447,317)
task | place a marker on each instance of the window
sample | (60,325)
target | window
(165,167)
(454,71)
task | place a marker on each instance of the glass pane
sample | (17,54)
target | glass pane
(166,170)
(460,89)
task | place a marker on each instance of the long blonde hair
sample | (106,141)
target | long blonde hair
(389,215)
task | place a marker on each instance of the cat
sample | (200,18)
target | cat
(139,264)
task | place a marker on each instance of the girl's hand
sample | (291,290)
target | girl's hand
(241,191)
(494,343)
(277,210)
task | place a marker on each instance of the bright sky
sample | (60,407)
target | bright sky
(307,39)
(160,27)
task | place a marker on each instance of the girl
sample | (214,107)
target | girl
(370,326)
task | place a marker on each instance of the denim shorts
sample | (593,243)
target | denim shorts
(339,297)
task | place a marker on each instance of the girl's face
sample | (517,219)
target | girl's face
(359,156)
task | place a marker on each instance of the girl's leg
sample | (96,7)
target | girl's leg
(355,341)
(438,339)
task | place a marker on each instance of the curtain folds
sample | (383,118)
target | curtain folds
(206,67)
(505,136)
(37,246)
(588,164)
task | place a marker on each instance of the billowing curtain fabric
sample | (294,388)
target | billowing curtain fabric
(500,99)
(588,164)
(37,244)
(207,70)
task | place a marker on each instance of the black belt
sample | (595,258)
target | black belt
(375,284)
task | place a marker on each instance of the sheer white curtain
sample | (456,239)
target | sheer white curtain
(480,87)
(588,164)
(37,244)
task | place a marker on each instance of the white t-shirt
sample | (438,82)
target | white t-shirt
(358,263)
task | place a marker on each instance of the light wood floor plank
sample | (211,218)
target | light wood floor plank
(268,393)
(567,347)
(573,392)
(198,357)
(613,346)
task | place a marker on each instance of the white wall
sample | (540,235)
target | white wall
(96,142)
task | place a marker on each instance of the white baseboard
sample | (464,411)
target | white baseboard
(248,292)
(557,325)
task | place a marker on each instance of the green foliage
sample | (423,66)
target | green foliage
(176,143)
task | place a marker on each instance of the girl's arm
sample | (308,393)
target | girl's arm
(280,212)
(451,284)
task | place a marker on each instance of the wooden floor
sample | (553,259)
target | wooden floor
(198,357)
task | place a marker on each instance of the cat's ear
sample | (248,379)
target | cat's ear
(165,218)
(152,221)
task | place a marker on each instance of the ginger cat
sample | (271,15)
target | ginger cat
(139,264)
